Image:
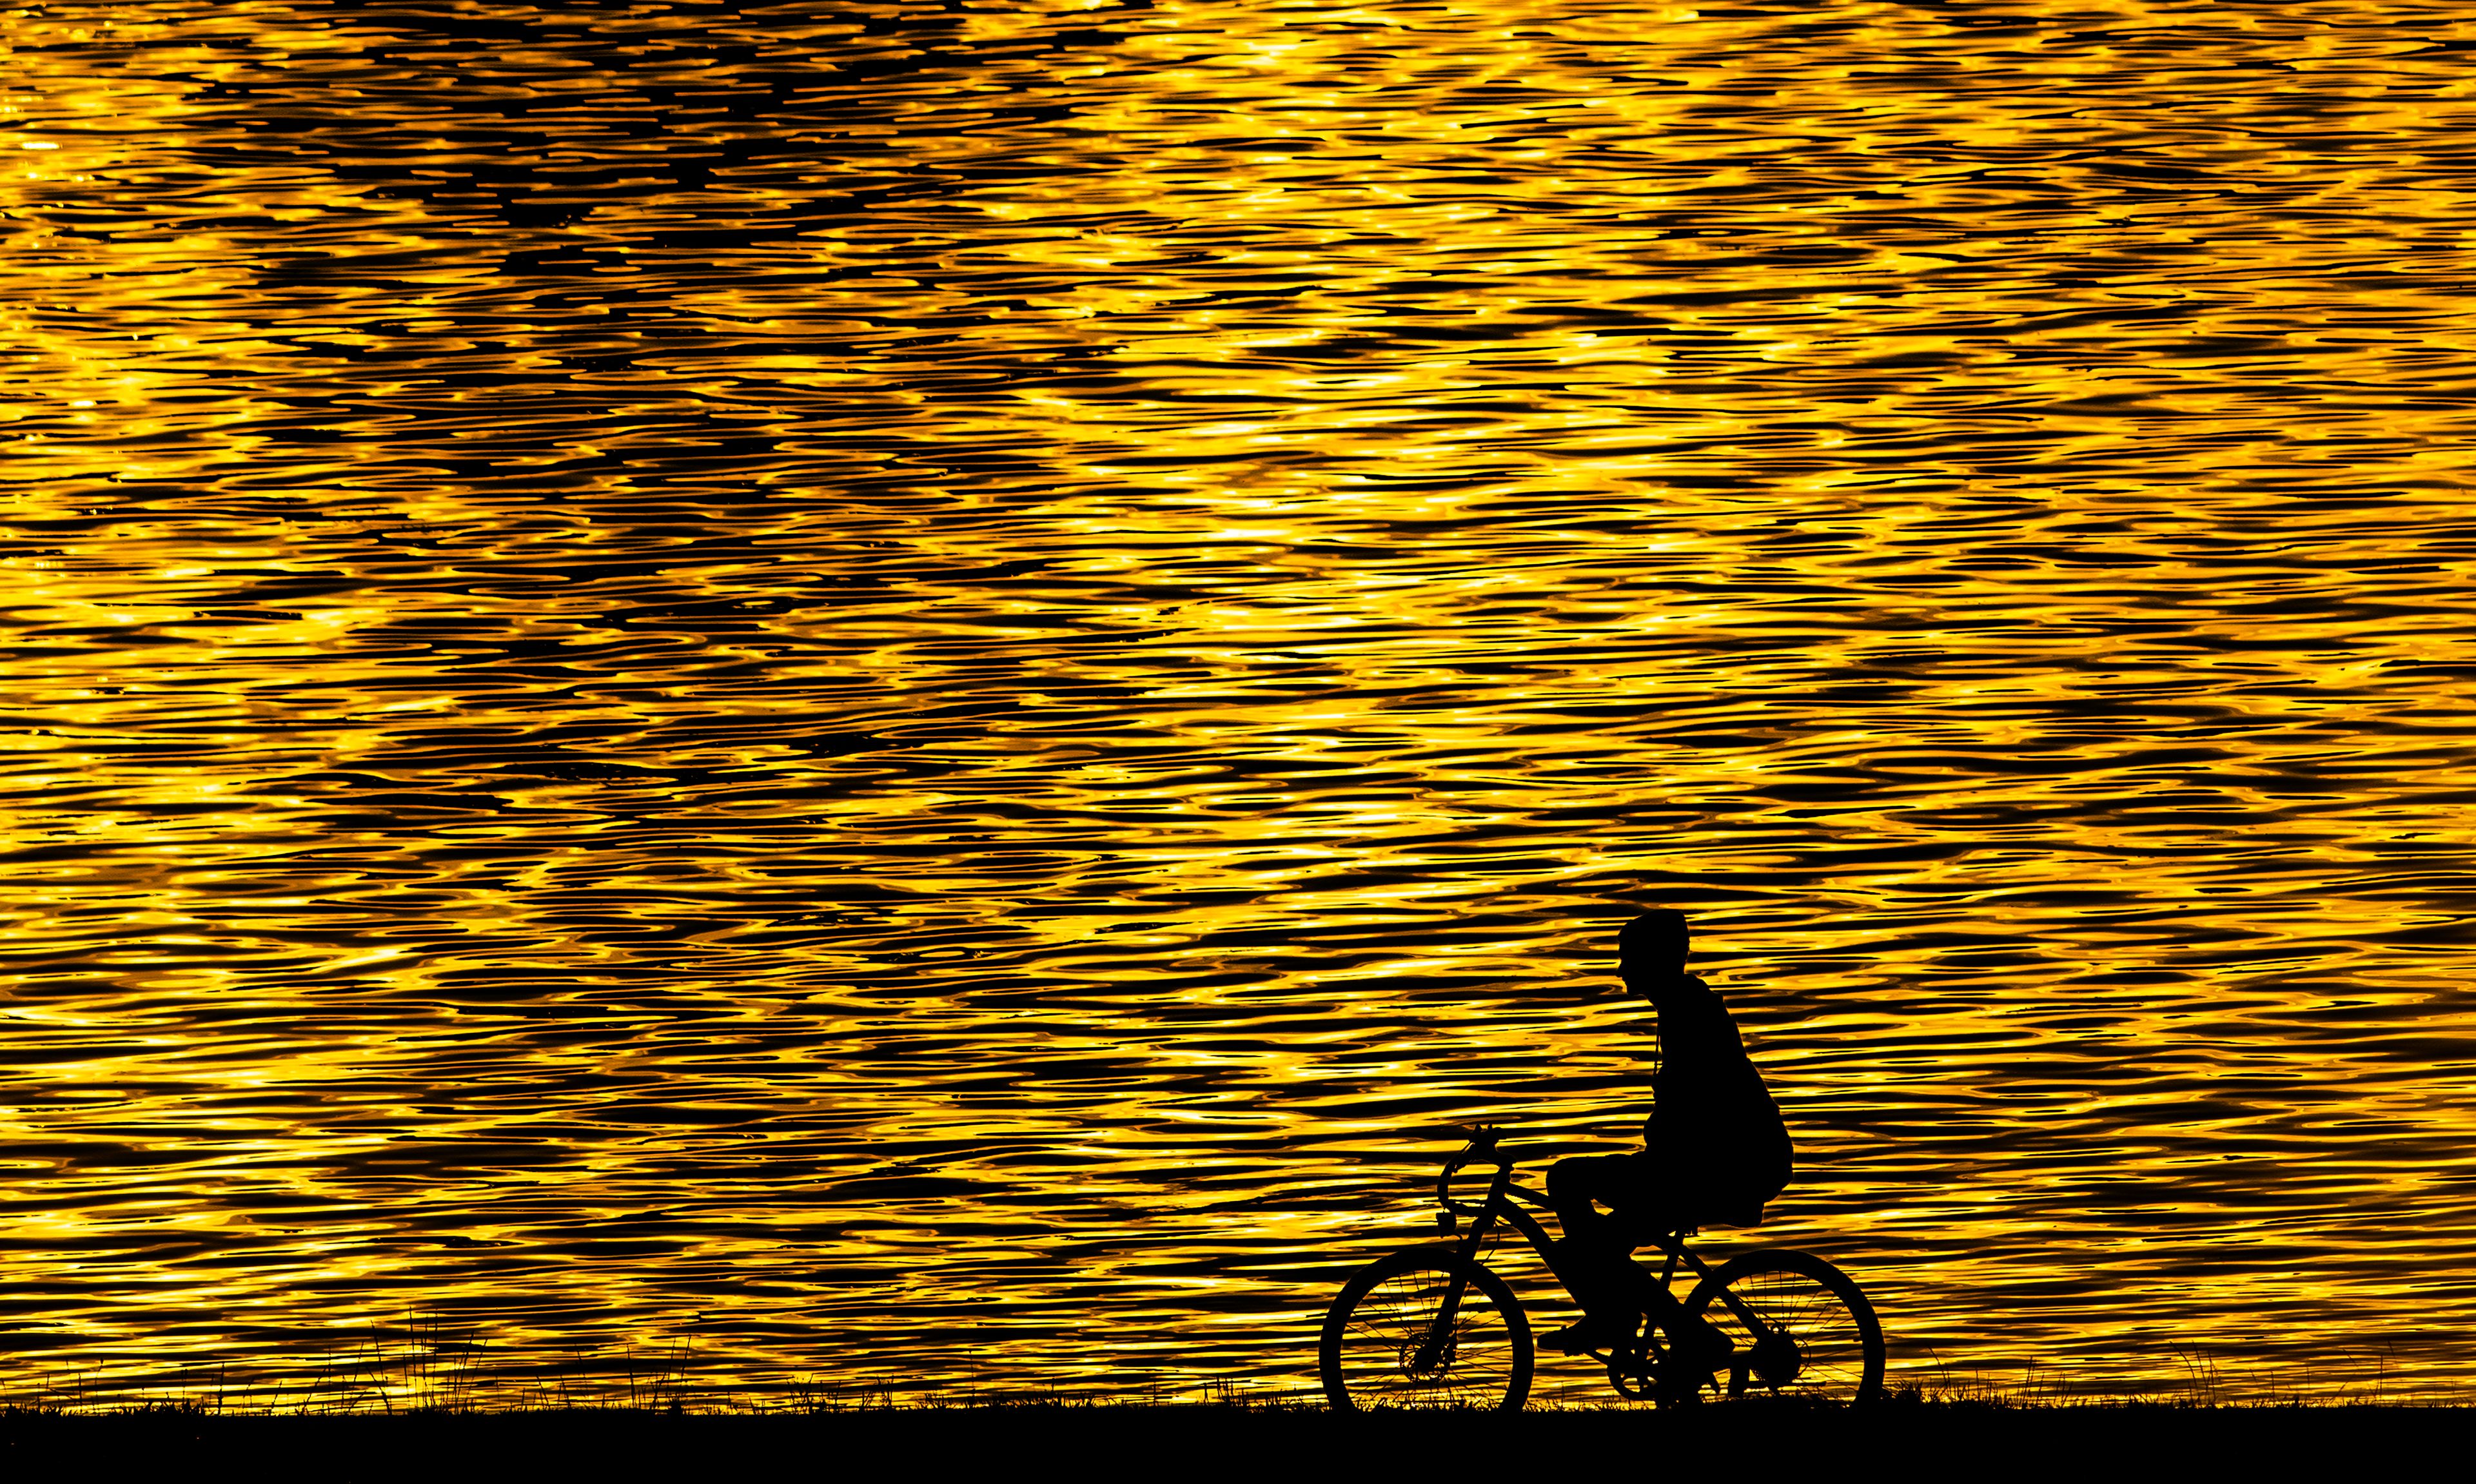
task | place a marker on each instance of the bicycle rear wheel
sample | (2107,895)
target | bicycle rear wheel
(1812,1338)
(1382,1345)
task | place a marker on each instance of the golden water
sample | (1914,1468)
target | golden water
(915,696)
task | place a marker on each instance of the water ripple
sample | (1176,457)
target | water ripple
(914,694)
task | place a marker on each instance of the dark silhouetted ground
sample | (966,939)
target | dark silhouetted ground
(1177,1444)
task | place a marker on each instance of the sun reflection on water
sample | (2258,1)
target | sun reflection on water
(917,696)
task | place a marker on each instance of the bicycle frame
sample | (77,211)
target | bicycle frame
(1498,1205)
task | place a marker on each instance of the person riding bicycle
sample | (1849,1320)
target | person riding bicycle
(1714,1149)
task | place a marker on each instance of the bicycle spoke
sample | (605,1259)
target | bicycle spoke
(1387,1350)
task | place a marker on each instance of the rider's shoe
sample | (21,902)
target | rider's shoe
(1590,1332)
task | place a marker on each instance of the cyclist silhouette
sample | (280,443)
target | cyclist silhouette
(1714,1149)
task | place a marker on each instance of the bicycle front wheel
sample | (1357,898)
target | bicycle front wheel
(1803,1330)
(1388,1341)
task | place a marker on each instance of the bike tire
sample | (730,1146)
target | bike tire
(1368,1354)
(1833,1352)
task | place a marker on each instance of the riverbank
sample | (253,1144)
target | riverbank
(1211,1442)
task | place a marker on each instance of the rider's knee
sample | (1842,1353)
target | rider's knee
(1564,1180)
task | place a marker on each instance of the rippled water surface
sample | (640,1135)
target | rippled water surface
(914,694)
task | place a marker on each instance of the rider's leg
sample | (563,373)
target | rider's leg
(1647,1213)
(1593,1259)
(1573,1184)
(1689,1335)
(1590,1259)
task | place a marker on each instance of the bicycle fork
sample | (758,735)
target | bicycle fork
(1431,1352)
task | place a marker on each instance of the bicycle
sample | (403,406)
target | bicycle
(1404,1331)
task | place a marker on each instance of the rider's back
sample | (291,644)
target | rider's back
(1713,1121)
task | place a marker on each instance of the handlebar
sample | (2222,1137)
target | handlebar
(1481,1149)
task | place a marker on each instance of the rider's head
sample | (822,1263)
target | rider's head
(1651,950)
